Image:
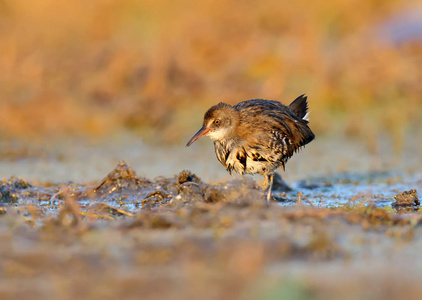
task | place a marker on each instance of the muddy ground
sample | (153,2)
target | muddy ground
(343,229)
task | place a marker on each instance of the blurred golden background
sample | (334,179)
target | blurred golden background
(100,66)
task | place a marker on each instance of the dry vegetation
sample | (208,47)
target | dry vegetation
(73,67)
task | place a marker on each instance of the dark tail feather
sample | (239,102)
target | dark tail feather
(300,106)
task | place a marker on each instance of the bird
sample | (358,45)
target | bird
(257,136)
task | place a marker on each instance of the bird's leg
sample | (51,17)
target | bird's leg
(269,180)
(266,182)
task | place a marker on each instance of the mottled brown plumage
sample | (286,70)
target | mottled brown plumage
(256,136)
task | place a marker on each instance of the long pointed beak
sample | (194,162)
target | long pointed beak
(201,132)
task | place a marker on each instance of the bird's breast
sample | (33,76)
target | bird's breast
(241,159)
(231,155)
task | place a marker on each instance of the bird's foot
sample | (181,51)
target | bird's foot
(269,195)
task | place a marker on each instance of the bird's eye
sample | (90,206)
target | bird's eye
(217,122)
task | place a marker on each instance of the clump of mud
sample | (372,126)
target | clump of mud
(8,190)
(406,201)
(122,185)
(124,189)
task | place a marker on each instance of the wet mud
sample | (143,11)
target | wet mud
(179,237)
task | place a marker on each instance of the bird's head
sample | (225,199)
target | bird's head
(219,123)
